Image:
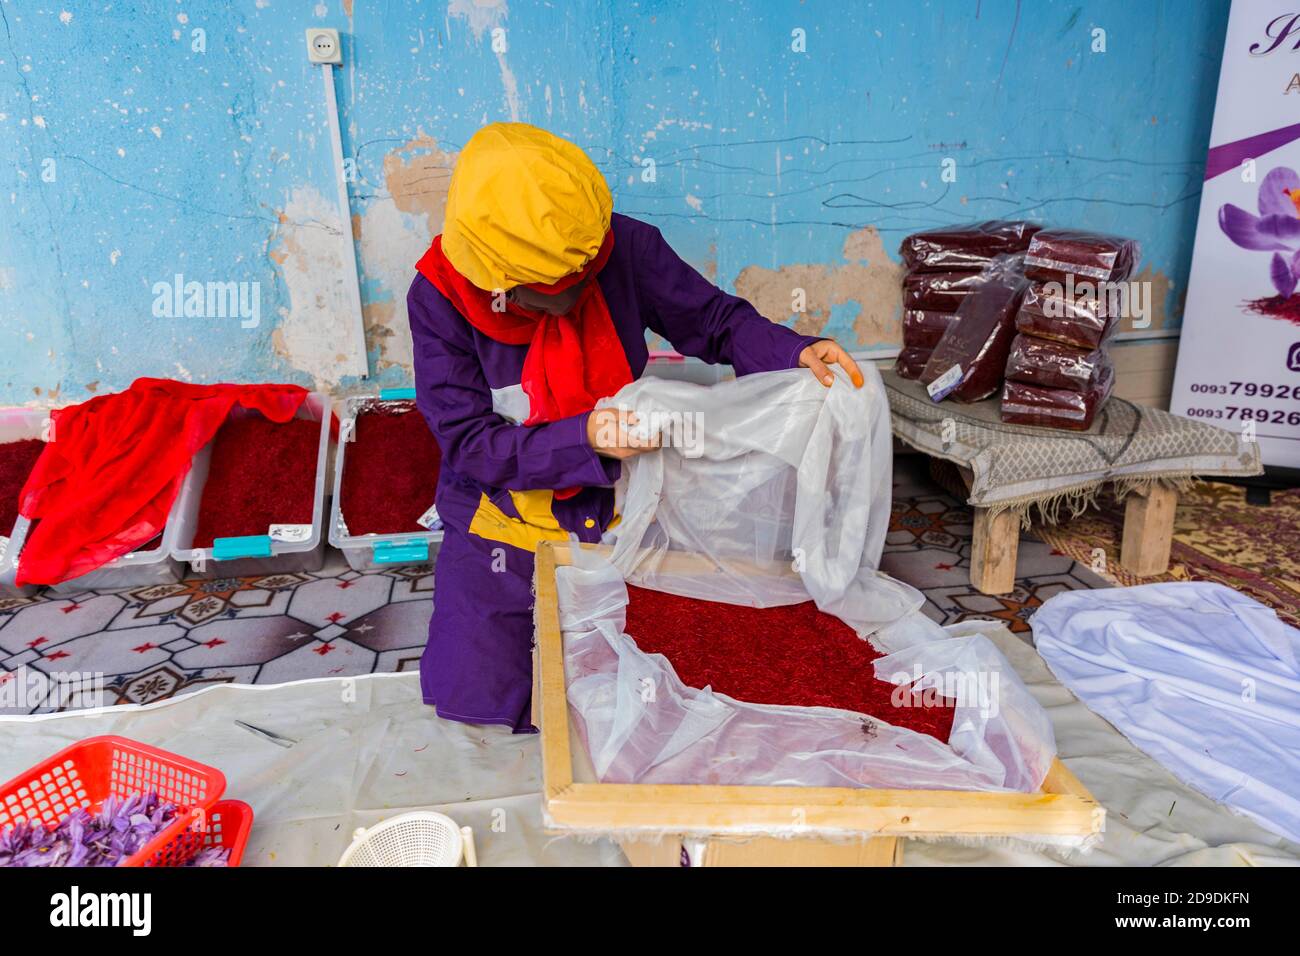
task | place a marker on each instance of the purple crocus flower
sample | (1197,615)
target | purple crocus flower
(119,829)
(210,856)
(1276,229)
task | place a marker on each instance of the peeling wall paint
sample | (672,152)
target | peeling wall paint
(863,292)
(778,144)
(395,232)
(312,334)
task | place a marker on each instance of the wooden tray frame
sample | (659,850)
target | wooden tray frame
(1063,808)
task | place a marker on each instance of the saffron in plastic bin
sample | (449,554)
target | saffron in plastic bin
(261,473)
(390,472)
(17,459)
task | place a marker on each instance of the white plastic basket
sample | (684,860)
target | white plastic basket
(418,838)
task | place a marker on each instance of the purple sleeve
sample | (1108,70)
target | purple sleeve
(701,320)
(453,395)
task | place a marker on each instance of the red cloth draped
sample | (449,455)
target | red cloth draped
(573,360)
(107,479)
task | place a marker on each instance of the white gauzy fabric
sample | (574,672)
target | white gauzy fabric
(1202,678)
(784,485)
(768,469)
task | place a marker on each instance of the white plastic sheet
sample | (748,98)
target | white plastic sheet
(784,487)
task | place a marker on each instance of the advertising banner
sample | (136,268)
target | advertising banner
(1239,355)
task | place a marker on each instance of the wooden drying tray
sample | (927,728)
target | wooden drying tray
(728,822)
(718,824)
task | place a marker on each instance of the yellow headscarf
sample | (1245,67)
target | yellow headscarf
(524,207)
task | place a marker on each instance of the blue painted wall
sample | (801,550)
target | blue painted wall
(157,138)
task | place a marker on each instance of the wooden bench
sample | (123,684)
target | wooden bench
(1144,550)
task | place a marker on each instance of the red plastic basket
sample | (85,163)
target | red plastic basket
(86,773)
(228,825)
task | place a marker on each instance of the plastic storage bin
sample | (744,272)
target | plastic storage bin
(366,552)
(17,424)
(151,564)
(256,554)
(89,771)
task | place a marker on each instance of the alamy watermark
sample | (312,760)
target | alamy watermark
(978,689)
(671,429)
(1113,300)
(208,300)
(28,689)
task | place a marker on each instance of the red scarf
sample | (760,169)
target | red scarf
(105,483)
(573,360)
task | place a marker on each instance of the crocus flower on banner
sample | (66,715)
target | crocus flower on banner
(1276,229)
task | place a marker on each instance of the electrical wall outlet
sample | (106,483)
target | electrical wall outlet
(323,46)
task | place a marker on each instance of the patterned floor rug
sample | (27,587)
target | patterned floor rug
(929,547)
(1218,537)
(154,642)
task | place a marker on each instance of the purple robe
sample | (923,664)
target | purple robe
(477,664)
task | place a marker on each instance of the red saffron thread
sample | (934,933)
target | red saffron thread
(795,655)
(17,459)
(261,473)
(390,472)
(1277,307)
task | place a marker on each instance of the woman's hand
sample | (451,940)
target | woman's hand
(611,432)
(820,355)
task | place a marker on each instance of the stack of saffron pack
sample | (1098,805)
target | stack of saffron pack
(1059,372)
(944,266)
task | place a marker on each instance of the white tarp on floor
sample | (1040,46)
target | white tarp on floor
(361,760)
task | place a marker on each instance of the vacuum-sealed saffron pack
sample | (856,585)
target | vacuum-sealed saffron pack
(941,291)
(923,328)
(1055,407)
(911,362)
(1056,255)
(966,247)
(970,359)
(1084,319)
(1037,361)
